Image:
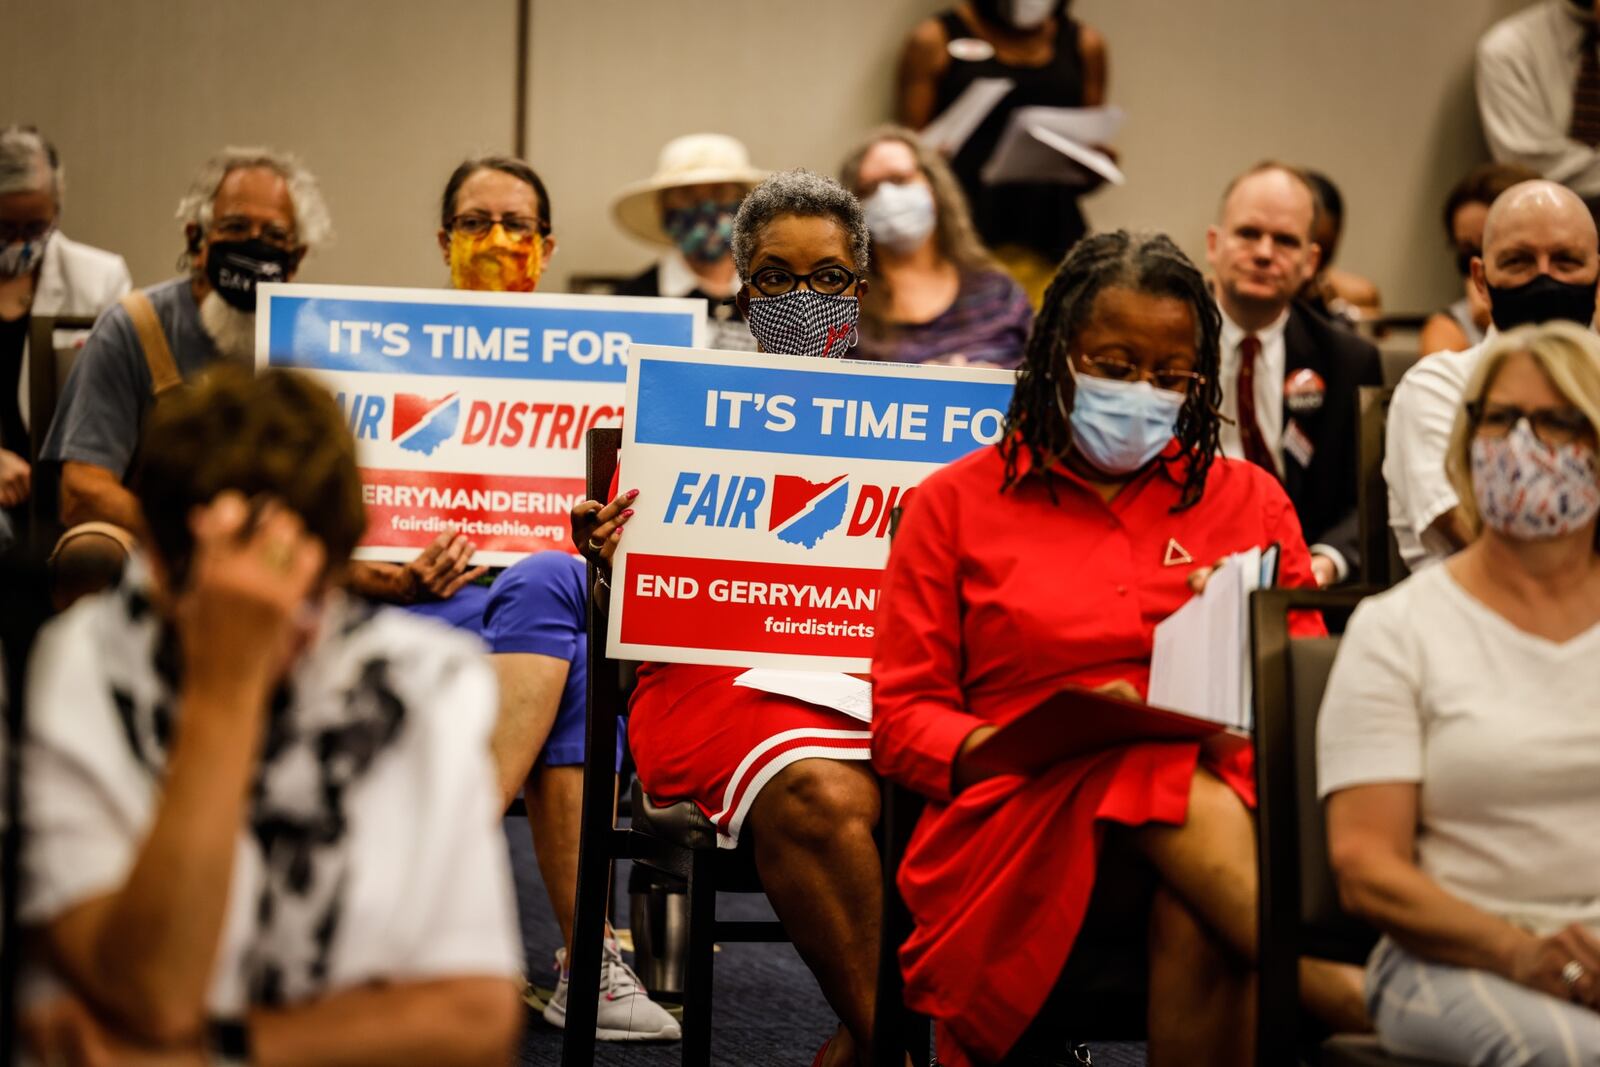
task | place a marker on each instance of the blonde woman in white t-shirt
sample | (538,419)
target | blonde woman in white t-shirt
(263,823)
(1459,741)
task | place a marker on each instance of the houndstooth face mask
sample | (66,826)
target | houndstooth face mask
(803,323)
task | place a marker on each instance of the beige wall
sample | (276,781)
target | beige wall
(382,97)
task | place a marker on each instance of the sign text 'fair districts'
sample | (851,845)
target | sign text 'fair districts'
(768,486)
(468,409)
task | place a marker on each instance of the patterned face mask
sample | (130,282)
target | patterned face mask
(803,323)
(21,257)
(1529,491)
(703,232)
(494,262)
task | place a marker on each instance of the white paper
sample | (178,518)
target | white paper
(1030,149)
(827,689)
(1200,661)
(950,129)
(1092,158)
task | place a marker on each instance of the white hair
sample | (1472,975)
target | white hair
(312,224)
(27,163)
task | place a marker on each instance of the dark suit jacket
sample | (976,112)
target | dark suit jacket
(1324,491)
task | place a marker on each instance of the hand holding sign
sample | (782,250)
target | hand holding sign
(596,530)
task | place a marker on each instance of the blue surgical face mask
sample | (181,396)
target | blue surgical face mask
(1119,426)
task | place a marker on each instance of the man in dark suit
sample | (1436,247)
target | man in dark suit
(1289,375)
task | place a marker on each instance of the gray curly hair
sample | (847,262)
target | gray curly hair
(312,224)
(27,163)
(798,192)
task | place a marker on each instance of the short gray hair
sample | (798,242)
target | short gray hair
(27,163)
(311,221)
(798,192)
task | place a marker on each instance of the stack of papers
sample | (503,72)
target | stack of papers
(1055,144)
(1201,661)
(951,127)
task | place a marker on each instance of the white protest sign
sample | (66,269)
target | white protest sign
(468,409)
(767,484)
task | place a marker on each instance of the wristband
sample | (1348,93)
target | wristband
(228,1042)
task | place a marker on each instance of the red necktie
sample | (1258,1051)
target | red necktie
(1244,387)
(1585,127)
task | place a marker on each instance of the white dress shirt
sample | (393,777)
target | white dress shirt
(1527,68)
(1271,364)
(1422,413)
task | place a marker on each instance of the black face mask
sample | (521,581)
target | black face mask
(235,268)
(1464,260)
(1541,300)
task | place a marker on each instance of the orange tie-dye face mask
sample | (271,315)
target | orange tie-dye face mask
(495,262)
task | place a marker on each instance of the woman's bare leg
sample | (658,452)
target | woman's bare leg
(1202,993)
(819,864)
(1210,864)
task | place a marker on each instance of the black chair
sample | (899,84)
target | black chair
(1300,913)
(48,366)
(675,840)
(1381,565)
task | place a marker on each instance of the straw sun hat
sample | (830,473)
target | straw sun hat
(695,159)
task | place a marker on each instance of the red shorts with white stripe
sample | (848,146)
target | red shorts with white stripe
(696,736)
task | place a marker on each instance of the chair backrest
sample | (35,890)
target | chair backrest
(601,446)
(1299,902)
(48,366)
(1381,565)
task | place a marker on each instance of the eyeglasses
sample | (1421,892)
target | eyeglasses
(829,281)
(239,228)
(521,227)
(1172,379)
(11,232)
(1554,426)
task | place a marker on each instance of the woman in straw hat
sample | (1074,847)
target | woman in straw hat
(687,209)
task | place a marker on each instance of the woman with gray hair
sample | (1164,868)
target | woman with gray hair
(793,774)
(42,273)
(1458,735)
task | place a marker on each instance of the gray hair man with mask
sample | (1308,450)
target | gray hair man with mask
(1540,262)
(42,273)
(249,217)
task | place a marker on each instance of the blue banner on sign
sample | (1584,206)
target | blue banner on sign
(757,409)
(466,340)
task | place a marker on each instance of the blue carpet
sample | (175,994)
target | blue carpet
(767,1008)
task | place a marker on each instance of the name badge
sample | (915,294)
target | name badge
(1297,444)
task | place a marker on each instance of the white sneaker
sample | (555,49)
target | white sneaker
(626,1011)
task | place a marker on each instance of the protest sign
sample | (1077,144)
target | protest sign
(468,409)
(767,484)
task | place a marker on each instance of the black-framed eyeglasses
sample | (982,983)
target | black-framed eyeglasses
(1553,426)
(829,281)
(477,224)
(1172,379)
(239,228)
(11,232)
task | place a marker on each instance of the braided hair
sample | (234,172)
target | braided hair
(1145,263)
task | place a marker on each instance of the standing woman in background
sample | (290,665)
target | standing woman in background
(1054,61)
(940,297)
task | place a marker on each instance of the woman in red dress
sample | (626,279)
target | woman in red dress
(1048,559)
(794,776)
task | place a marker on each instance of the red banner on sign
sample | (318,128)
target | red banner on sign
(751,607)
(500,513)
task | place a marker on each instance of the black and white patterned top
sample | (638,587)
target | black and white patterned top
(372,848)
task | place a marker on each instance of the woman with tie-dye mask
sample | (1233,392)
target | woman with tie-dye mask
(494,226)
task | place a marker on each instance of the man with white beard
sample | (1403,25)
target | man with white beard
(250,216)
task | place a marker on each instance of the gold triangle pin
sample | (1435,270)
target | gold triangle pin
(1176,554)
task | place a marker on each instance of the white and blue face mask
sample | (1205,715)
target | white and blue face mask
(1119,426)
(22,257)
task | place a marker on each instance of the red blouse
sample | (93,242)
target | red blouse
(991,602)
